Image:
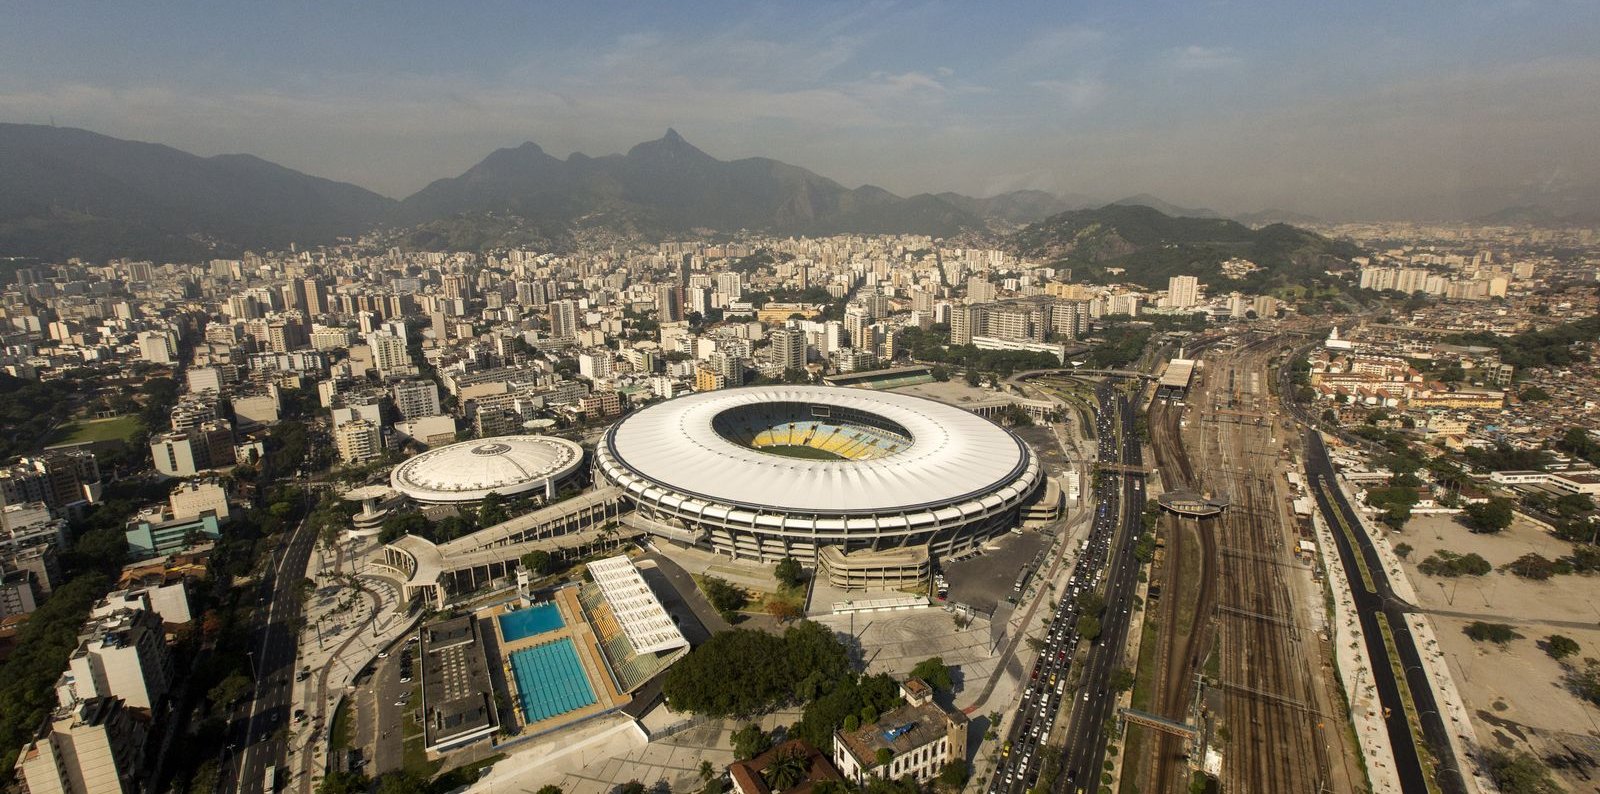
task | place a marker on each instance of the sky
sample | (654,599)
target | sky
(1349,110)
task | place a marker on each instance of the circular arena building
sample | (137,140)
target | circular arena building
(772,471)
(506,465)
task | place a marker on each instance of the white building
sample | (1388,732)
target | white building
(1183,292)
(191,499)
(415,399)
(921,737)
(92,747)
(120,654)
(358,440)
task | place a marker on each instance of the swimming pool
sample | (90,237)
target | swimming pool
(529,621)
(550,680)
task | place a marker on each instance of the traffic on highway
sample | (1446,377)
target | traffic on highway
(1048,692)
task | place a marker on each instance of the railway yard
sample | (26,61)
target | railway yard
(1235,654)
(1232,672)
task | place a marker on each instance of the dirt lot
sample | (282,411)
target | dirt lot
(1515,692)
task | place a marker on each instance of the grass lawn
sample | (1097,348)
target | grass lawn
(88,431)
(339,735)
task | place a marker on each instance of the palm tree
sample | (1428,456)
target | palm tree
(786,771)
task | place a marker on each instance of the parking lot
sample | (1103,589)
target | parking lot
(983,581)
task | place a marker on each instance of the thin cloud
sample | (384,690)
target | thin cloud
(1194,58)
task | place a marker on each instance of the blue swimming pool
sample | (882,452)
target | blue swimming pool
(550,680)
(529,621)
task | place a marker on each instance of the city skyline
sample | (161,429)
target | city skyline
(1382,113)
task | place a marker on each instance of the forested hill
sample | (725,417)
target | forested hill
(1149,246)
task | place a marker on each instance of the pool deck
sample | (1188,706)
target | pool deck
(577,628)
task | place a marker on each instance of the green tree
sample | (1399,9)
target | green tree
(786,771)
(229,690)
(749,742)
(1089,627)
(707,771)
(342,782)
(788,572)
(1532,566)
(724,597)
(491,510)
(954,774)
(631,787)
(883,756)
(402,782)
(1497,633)
(1121,679)
(1490,516)
(1519,773)
(1560,646)
(934,671)
(539,562)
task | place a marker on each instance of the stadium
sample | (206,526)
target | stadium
(510,466)
(772,471)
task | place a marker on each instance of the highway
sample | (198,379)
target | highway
(1032,742)
(257,731)
(1086,737)
(1361,564)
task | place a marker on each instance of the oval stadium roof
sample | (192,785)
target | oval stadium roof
(953,454)
(470,470)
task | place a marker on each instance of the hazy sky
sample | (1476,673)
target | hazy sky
(1338,109)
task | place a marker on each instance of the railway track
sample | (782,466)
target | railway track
(1268,726)
(1179,654)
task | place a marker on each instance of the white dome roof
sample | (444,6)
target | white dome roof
(470,470)
(953,455)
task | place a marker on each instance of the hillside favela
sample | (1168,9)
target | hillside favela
(703,398)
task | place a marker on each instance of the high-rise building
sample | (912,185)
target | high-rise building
(980,290)
(1183,291)
(185,453)
(669,307)
(92,747)
(121,654)
(564,319)
(389,355)
(415,399)
(788,349)
(966,322)
(358,440)
(595,365)
(59,478)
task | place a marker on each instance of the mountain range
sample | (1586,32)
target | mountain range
(69,192)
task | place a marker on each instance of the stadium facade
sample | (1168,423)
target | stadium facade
(772,471)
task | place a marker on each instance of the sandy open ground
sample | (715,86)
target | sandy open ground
(1515,693)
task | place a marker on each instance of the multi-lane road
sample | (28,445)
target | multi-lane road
(1033,741)
(257,735)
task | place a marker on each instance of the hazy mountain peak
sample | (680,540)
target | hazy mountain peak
(669,146)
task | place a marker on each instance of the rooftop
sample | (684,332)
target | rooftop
(644,620)
(471,470)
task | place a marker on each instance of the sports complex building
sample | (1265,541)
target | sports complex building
(510,466)
(869,486)
(769,472)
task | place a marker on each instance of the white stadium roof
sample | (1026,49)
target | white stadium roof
(470,470)
(644,620)
(954,455)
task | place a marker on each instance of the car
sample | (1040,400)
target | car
(383,654)
(1086,697)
